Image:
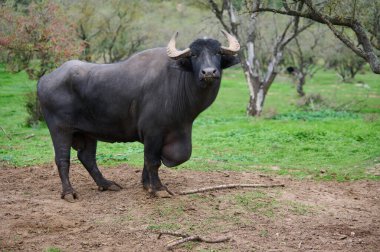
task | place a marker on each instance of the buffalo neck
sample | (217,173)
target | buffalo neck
(190,99)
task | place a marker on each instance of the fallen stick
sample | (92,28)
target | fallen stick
(187,238)
(5,133)
(170,246)
(29,136)
(229,186)
(160,233)
(170,192)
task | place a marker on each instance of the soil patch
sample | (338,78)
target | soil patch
(305,215)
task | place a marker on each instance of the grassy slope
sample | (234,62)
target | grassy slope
(224,138)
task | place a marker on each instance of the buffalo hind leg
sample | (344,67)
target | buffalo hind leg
(152,162)
(62,140)
(86,148)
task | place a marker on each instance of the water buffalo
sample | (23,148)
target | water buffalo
(153,97)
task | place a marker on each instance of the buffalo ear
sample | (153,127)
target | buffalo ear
(229,60)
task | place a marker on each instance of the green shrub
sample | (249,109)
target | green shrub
(327,114)
(34,110)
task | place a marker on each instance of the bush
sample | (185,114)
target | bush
(34,110)
(37,38)
(326,114)
(315,107)
(311,102)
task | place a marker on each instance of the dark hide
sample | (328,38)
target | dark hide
(148,98)
(290,70)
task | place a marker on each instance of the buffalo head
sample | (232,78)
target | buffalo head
(206,57)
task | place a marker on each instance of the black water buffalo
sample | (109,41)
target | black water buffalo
(153,97)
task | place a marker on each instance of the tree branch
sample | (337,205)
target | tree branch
(366,53)
(295,33)
(282,41)
(219,13)
(341,21)
(338,34)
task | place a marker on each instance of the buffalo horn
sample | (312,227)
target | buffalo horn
(233,45)
(173,52)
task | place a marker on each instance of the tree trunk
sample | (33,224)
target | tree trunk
(256,85)
(87,52)
(251,110)
(256,103)
(257,93)
(300,83)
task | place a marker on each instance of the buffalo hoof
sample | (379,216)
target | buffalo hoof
(164,192)
(71,197)
(112,186)
(161,194)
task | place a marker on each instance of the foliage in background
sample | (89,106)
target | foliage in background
(345,62)
(109,29)
(112,30)
(33,109)
(38,38)
(301,59)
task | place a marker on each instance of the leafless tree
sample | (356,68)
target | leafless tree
(87,28)
(119,38)
(302,60)
(259,71)
(108,28)
(345,14)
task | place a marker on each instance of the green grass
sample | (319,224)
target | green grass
(53,249)
(257,202)
(298,208)
(324,144)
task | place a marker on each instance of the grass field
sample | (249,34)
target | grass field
(340,140)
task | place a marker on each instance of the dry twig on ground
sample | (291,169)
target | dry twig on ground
(186,238)
(228,186)
(29,136)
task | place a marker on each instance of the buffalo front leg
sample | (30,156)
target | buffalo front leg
(86,148)
(152,162)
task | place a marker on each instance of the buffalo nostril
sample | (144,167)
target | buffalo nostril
(209,71)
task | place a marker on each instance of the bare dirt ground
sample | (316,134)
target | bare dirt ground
(303,216)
